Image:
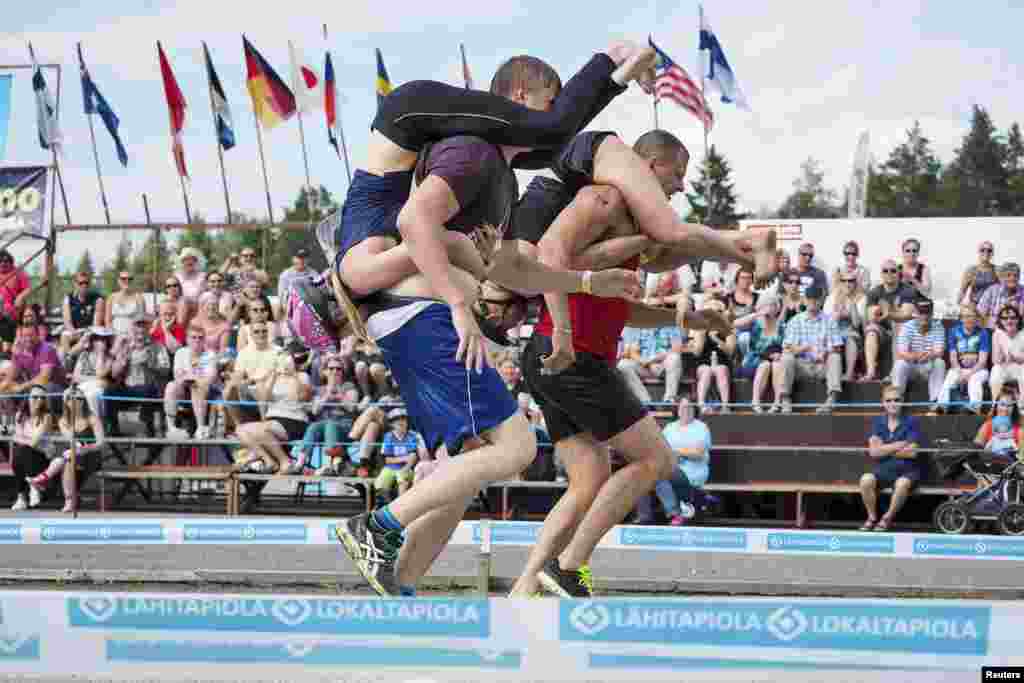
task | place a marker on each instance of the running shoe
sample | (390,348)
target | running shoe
(578,583)
(373,552)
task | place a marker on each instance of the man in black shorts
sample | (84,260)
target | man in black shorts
(586,402)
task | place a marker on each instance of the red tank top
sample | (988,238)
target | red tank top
(597,322)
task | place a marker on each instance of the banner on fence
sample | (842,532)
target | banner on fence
(23,201)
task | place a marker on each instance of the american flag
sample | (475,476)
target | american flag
(673,83)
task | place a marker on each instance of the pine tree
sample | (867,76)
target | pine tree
(907,184)
(310,207)
(713,200)
(121,263)
(810,197)
(1015,170)
(976,182)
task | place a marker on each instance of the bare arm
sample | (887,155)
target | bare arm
(421,222)
(613,252)
(966,281)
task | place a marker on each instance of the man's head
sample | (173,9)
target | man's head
(82,282)
(214,280)
(528,81)
(140,329)
(923,309)
(806,256)
(891,399)
(685,411)
(667,157)
(6,261)
(1009,273)
(168,312)
(890,273)
(813,297)
(299,260)
(501,309)
(196,338)
(398,419)
(260,333)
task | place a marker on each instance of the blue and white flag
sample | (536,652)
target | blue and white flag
(46,110)
(717,73)
(5,111)
(95,103)
(219,103)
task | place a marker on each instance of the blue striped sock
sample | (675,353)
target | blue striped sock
(385,520)
(407,591)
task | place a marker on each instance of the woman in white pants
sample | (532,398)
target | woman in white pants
(969,348)
(1008,351)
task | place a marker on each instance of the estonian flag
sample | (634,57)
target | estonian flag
(219,103)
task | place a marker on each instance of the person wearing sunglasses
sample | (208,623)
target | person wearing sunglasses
(1007,350)
(253,364)
(1007,293)
(14,284)
(792,301)
(173,294)
(255,311)
(979,277)
(240,268)
(848,306)
(191,273)
(970,346)
(225,299)
(912,271)
(34,361)
(891,301)
(920,352)
(893,445)
(123,306)
(82,309)
(810,275)
(811,349)
(141,370)
(195,375)
(167,330)
(1002,434)
(850,268)
(33,425)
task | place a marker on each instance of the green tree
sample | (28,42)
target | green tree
(121,263)
(713,200)
(907,184)
(976,182)
(310,207)
(151,263)
(810,197)
(85,263)
(200,238)
(1015,170)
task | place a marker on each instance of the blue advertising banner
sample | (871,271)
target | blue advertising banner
(23,201)
(5,111)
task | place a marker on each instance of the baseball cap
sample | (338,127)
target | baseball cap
(396,413)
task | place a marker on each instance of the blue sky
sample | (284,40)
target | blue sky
(816,74)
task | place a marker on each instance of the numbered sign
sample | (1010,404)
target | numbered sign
(23,200)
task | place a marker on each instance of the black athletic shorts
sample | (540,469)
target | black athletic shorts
(545,198)
(590,396)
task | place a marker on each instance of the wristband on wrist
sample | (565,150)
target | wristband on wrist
(586,286)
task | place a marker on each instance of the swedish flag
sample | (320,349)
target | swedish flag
(383,82)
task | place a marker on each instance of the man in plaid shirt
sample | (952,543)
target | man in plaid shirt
(920,348)
(811,350)
(1006,292)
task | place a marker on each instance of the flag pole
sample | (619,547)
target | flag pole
(298,111)
(263,164)
(656,126)
(220,152)
(700,65)
(95,154)
(341,130)
(184,196)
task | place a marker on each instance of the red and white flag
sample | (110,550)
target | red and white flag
(673,83)
(306,83)
(175,109)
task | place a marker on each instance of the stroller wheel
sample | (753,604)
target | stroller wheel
(952,517)
(1011,520)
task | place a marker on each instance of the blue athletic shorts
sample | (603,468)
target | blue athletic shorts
(446,403)
(371,208)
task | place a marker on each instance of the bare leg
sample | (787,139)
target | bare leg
(778,375)
(426,538)
(703,384)
(722,380)
(379,375)
(764,371)
(871,344)
(900,492)
(869,494)
(200,394)
(588,468)
(618,165)
(512,448)
(650,460)
(363,378)
(852,350)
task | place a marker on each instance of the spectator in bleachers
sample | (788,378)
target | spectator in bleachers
(651,353)
(336,411)
(257,311)
(242,268)
(167,330)
(1007,293)
(792,300)
(913,273)
(979,277)
(1006,439)
(225,299)
(195,375)
(33,316)
(141,370)
(811,351)
(34,362)
(970,346)
(191,273)
(850,268)
(1008,351)
(920,352)
(782,265)
(714,358)
(33,426)
(215,326)
(93,368)
(810,275)
(14,283)
(894,443)
(691,440)
(847,304)
(668,289)
(174,297)
(298,271)
(82,309)
(763,361)
(370,371)
(742,301)
(285,394)
(401,450)
(253,364)
(890,302)
(123,306)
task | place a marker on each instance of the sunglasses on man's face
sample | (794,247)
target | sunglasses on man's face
(890,271)
(1009,316)
(985,250)
(248,255)
(808,254)
(849,253)
(911,251)
(849,282)
(83,283)
(169,285)
(124,278)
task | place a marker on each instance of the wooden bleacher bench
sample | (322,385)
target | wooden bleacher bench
(223,473)
(238,478)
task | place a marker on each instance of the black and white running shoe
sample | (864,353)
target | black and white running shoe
(577,583)
(373,552)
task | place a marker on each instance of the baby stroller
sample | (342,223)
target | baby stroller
(996,499)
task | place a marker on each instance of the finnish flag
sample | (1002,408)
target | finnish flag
(717,73)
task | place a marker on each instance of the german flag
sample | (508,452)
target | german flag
(383,82)
(272,100)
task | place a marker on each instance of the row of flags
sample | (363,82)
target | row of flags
(673,83)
